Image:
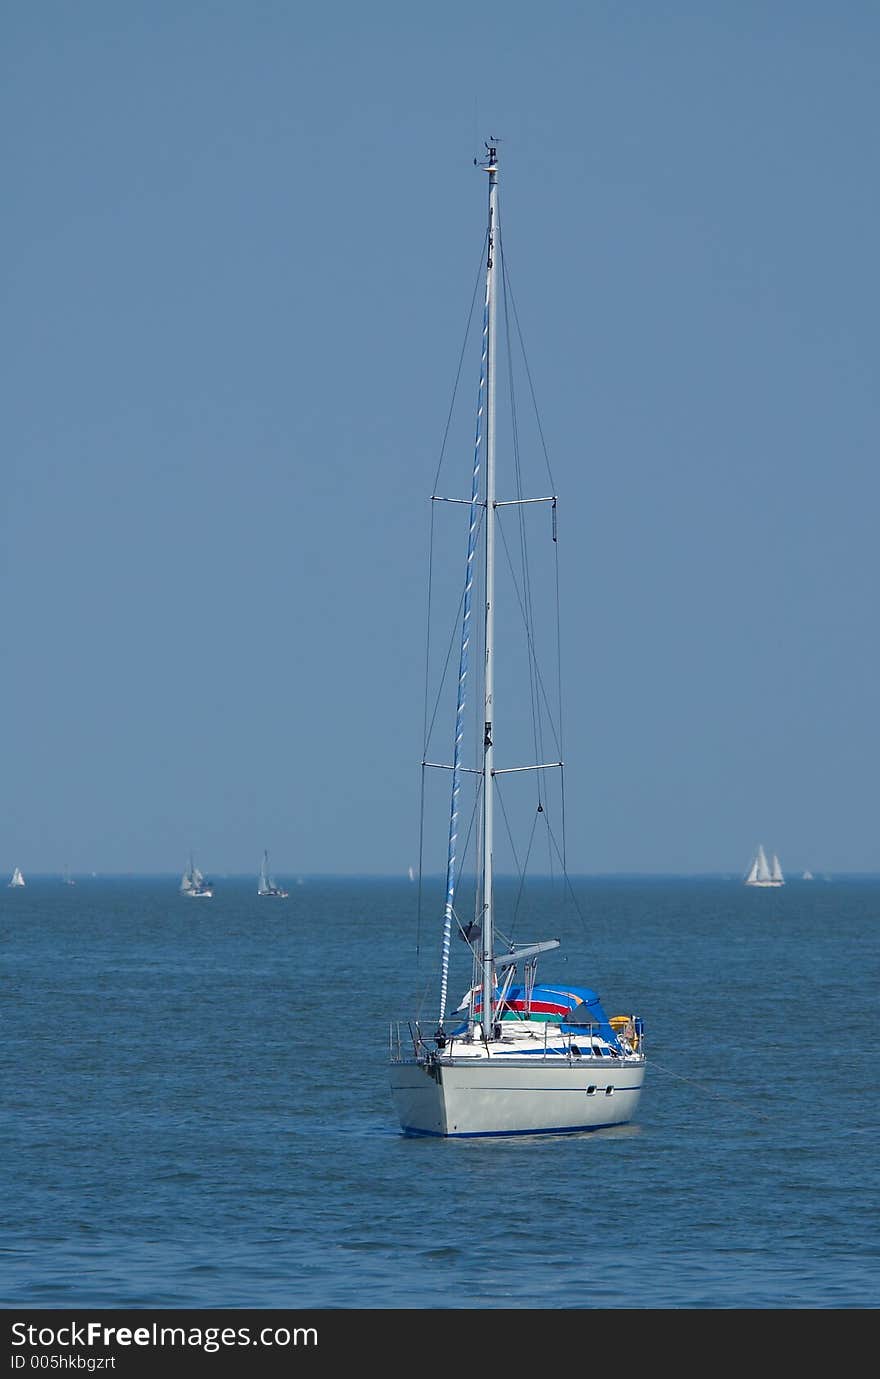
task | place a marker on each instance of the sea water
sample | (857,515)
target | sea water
(196,1113)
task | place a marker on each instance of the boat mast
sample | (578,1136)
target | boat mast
(488,956)
(463,660)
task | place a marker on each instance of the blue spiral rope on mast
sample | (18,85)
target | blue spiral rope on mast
(463,669)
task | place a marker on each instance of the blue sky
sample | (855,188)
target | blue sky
(238,247)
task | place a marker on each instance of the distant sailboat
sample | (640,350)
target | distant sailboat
(807,876)
(267,885)
(762,873)
(68,879)
(193,883)
(17,878)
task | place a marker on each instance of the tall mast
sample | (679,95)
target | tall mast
(488,955)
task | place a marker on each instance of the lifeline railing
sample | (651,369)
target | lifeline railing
(406,1041)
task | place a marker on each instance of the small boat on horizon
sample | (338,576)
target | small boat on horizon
(266,886)
(193,883)
(17,878)
(764,873)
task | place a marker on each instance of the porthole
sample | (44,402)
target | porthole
(591,1091)
(609,1091)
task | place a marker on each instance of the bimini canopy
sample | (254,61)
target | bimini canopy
(572,1007)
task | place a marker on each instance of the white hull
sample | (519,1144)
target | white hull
(765,883)
(198,895)
(499,1096)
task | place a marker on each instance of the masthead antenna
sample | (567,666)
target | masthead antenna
(490,159)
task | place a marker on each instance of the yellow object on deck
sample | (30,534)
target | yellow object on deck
(625,1025)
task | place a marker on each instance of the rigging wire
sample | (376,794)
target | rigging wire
(483,393)
(509,296)
(528,610)
(442,679)
(542,714)
(522,869)
(533,657)
(430,579)
(525,359)
(467,332)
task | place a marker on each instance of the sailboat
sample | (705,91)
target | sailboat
(194,884)
(266,885)
(67,878)
(17,878)
(764,873)
(515,1056)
